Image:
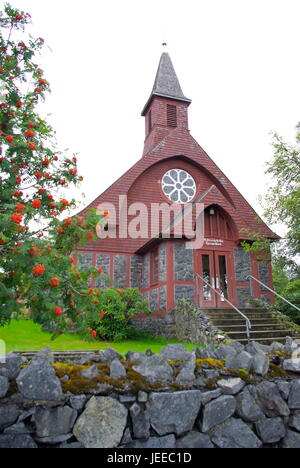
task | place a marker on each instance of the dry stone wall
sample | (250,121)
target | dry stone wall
(231,396)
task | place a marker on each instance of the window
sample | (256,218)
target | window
(149,123)
(179,186)
(171,115)
(155,267)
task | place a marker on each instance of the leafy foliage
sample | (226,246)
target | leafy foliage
(117,307)
(36,271)
(282,204)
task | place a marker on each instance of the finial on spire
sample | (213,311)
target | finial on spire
(164,44)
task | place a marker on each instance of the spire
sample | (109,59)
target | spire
(166,83)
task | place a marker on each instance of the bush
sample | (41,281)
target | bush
(292,294)
(112,320)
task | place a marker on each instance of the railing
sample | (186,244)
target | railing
(248,323)
(272,290)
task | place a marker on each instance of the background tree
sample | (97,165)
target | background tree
(282,206)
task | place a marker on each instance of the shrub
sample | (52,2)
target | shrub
(112,319)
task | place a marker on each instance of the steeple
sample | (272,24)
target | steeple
(166,83)
(166,107)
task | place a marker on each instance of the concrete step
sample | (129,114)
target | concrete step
(274,334)
(266,341)
(255,328)
(224,322)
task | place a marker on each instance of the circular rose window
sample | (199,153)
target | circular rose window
(179,186)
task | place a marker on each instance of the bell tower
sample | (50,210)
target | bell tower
(167,106)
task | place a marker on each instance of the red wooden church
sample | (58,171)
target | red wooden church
(174,169)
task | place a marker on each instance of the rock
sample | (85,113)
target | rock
(126,439)
(127,398)
(26,415)
(234,433)
(71,445)
(291,440)
(9,413)
(284,388)
(109,355)
(11,441)
(225,351)
(45,354)
(78,401)
(54,440)
(276,346)
(167,441)
(168,411)
(90,373)
(217,411)
(175,352)
(295,421)
(54,421)
(194,439)
(247,408)
(86,358)
(102,423)
(38,381)
(12,365)
(117,370)
(292,365)
(243,360)
(142,397)
(294,397)
(254,347)
(206,353)
(136,356)
(206,397)
(140,422)
(260,362)
(210,373)
(231,386)
(154,369)
(269,399)
(4,386)
(187,373)
(18,428)
(239,347)
(271,430)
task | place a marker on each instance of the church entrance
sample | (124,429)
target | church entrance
(214,268)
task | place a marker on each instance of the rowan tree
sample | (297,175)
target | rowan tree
(37,233)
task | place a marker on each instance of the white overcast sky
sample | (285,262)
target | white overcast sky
(238,61)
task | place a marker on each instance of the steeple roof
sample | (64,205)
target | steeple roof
(166,83)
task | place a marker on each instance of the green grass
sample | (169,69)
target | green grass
(24,335)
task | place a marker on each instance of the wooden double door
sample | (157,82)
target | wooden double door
(215,268)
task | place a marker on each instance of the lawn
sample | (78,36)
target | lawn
(24,335)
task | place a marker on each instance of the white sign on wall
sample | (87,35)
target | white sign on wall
(216,242)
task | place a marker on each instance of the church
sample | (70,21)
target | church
(175,171)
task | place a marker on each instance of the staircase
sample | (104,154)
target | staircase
(265,329)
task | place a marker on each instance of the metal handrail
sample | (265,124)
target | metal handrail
(270,289)
(248,323)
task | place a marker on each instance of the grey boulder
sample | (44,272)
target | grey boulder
(154,369)
(234,433)
(294,396)
(38,381)
(194,439)
(4,385)
(231,386)
(174,412)
(271,430)
(217,411)
(54,421)
(102,423)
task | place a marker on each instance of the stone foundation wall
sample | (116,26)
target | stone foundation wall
(233,396)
